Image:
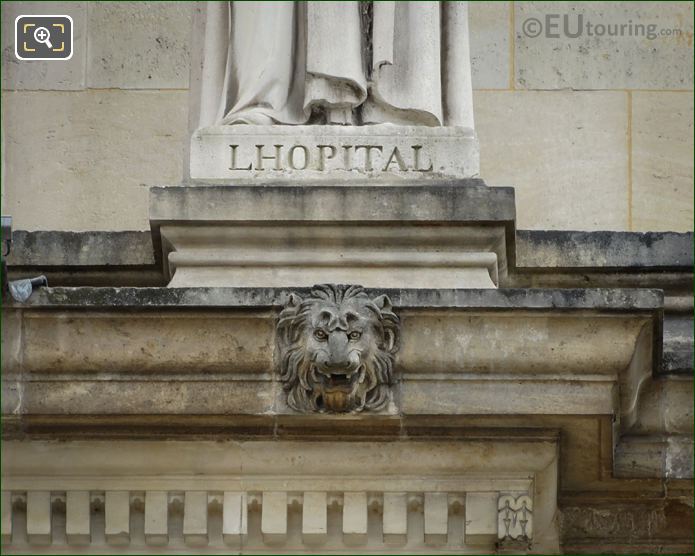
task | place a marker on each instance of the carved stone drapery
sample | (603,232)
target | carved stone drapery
(336,350)
(298,63)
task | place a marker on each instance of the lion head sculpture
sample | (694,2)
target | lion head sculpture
(336,350)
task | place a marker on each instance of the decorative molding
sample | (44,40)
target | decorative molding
(210,520)
(336,350)
(231,485)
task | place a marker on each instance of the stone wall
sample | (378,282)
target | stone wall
(84,139)
(594,132)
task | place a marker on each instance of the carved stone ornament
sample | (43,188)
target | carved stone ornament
(336,350)
(515,518)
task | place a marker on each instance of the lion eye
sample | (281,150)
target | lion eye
(355,335)
(320,335)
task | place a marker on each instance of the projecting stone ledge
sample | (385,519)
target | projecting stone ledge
(218,344)
(547,251)
(262,298)
(627,251)
(448,234)
(89,361)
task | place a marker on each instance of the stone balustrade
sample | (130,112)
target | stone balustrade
(467,494)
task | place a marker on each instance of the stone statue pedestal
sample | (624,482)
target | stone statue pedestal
(332,154)
(448,234)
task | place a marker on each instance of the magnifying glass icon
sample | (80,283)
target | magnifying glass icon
(43,36)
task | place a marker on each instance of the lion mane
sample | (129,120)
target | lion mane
(373,355)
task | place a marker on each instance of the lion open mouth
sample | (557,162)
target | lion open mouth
(338,381)
(337,390)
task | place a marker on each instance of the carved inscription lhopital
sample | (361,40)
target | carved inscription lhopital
(322,158)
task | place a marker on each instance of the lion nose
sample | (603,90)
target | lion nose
(338,353)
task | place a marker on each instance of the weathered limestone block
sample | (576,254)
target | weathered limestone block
(679,457)
(156,34)
(602,525)
(662,165)
(523,142)
(449,234)
(660,443)
(76,180)
(654,455)
(39,75)
(489,23)
(604,45)
(666,407)
(635,255)
(679,340)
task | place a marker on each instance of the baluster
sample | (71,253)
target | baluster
(355,518)
(39,517)
(195,518)
(234,518)
(274,517)
(481,518)
(6,524)
(156,518)
(117,516)
(315,518)
(395,518)
(77,517)
(436,517)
